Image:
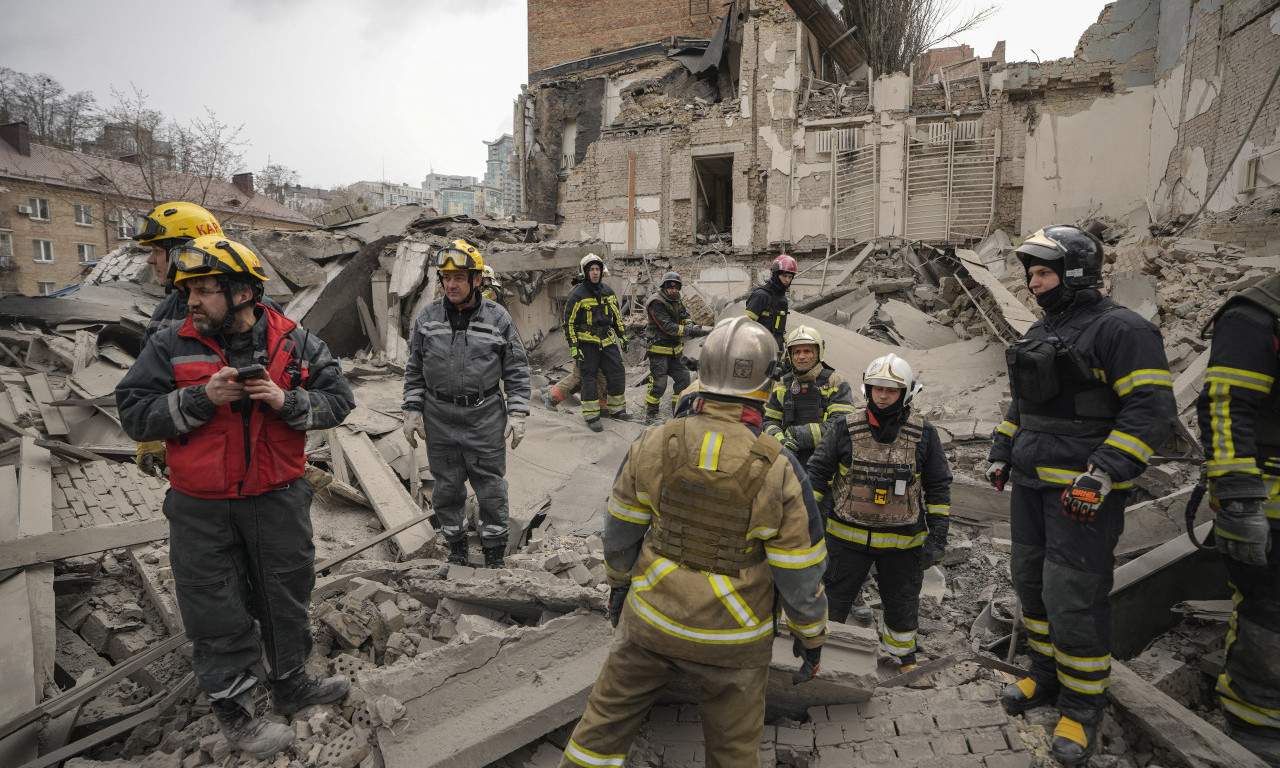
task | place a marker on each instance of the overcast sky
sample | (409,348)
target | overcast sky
(340,90)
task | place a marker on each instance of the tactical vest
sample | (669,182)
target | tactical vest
(880,488)
(1054,380)
(704,517)
(660,343)
(1265,295)
(803,401)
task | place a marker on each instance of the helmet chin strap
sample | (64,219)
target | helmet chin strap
(233,310)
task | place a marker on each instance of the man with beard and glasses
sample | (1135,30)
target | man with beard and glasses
(232,391)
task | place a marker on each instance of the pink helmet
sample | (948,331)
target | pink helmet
(784,263)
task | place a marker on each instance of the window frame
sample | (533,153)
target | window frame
(48,250)
(88,212)
(46,287)
(93,253)
(38,204)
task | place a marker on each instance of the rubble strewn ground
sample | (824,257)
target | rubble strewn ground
(388,624)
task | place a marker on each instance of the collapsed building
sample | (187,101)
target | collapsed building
(465,666)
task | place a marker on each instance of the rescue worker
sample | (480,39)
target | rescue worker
(1239,412)
(233,390)
(1092,398)
(810,395)
(884,486)
(668,325)
(686,610)
(768,304)
(572,382)
(596,337)
(466,390)
(492,288)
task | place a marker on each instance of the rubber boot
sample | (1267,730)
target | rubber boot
(1260,740)
(304,689)
(458,552)
(1073,742)
(594,425)
(493,556)
(1027,694)
(254,736)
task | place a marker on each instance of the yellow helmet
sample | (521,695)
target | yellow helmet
(175,221)
(217,256)
(461,254)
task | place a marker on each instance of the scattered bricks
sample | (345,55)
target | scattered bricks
(124,645)
(130,611)
(857,731)
(818,714)
(882,727)
(836,757)
(913,749)
(942,700)
(1002,545)
(977,692)
(97,629)
(1011,735)
(801,737)
(906,701)
(391,617)
(828,734)
(680,754)
(876,753)
(973,717)
(768,756)
(844,713)
(1020,760)
(873,707)
(397,647)
(986,741)
(951,743)
(579,574)
(346,629)
(407,602)
(914,725)
(445,630)
(194,760)
(364,589)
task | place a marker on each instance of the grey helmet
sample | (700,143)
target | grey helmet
(739,357)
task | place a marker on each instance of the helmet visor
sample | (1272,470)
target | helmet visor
(452,258)
(146,228)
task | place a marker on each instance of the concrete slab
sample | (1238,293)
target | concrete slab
(1137,292)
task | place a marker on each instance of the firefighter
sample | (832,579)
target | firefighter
(1239,412)
(669,325)
(767,304)
(884,486)
(492,289)
(1092,398)
(596,337)
(810,395)
(685,611)
(466,390)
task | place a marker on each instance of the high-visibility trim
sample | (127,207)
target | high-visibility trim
(614,573)
(1084,686)
(774,413)
(797,558)
(653,574)
(649,399)
(752,315)
(762,533)
(1223,443)
(731,600)
(669,626)
(709,455)
(664,349)
(878,539)
(1099,374)
(1058,476)
(1145,377)
(807,630)
(840,408)
(1035,625)
(939,509)
(815,431)
(580,755)
(1219,467)
(817,496)
(628,513)
(898,643)
(1083,663)
(1044,649)
(1007,428)
(644,499)
(1130,445)
(1239,377)
(1246,711)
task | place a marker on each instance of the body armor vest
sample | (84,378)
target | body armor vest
(704,517)
(880,488)
(803,401)
(659,342)
(1265,295)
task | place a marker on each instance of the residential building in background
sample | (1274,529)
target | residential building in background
(438,181)
(498,174)
(309,201)
(381,195)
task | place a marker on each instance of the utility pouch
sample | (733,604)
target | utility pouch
(901,476)
(881,489)
(1033,370)
(1073,365)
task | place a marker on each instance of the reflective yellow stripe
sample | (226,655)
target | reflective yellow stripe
(1084,686)
(709,456)
(762,533)
(732,600)
(628,513)
(660,567)
(1059,476)
(666,350)
(1219,467)
(614,573)
(1250,713)
(818,496)
(1239,377)
(752,315)
(1083,663)
(1223,444)
(579,755)
(1150,377)
(939,509)
(876,540)
(669,626)
(807,630)
(815,431)
(1036,625)
(898,643)
(1007,428)
(797,558)
(1045,649)
(1130,445)
(1099,374)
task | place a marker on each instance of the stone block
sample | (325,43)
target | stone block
(913,749)
(124,645)
(579,574)
(881,727)
(391,617)
(1007,760)
(688,713)
(346,629)
(845,713)
(665,714)
(986,741)
(877,753)
(835,757)
(951,743)
(818,714)
(914,725)
(979,716)
(977,692)
(680,755)
(802,737)
(671,732)
(828,734)
(1011,736)
(857,731)
(97,630)
(461,573)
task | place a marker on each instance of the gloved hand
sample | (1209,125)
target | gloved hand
(998,474)
(577,353)
(413,426)
(1081,501)
(150,458)
(1242,531)
(617,598)
(515,428)
(693,330)
(812,658)
(622,342)
(690,362)
(934,549)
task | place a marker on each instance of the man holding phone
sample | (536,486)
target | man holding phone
(232,391)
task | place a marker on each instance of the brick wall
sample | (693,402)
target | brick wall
(61,229)
(566,30)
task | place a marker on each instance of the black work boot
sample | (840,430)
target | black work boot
(861,612)
(1073,741)
(493,556)
(650,417)
(458,551)
(254,736)
(304,689)
(621,415)
(1027,694)
(594,424)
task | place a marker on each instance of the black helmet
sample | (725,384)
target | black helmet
(671,277)
(1080,253)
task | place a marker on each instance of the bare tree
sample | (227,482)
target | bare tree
(53,115)
(273,179)
(893,33)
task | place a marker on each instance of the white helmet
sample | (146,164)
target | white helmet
(891,371)
(739,357)
(804,334)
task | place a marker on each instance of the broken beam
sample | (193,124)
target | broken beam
(325,565)
(391,502)
(56,545)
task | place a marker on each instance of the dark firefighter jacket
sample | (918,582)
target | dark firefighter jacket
(667,326)
(591,316)
(768,305)
(800,405)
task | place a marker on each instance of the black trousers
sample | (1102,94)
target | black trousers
(237,560)
(608,359)
(1249,686)
(898,577)
(660,367)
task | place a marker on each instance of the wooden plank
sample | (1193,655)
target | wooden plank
(35,516)
(337,459)
(43,394)
(338,559)
(1173,726)
(391,501)
(163,599)
(17,669)
(65,451)
(55,545)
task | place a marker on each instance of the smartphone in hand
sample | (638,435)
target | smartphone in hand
(250,372)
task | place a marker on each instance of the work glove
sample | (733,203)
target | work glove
(413,426)
(693,330)
(998,474)
(690,362)
(934,549)
(515,428)
(785,438)
(150,458)
(617,598)
(1242,531)
(622,342)
(1081,501)
(811,660)
(577,353)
